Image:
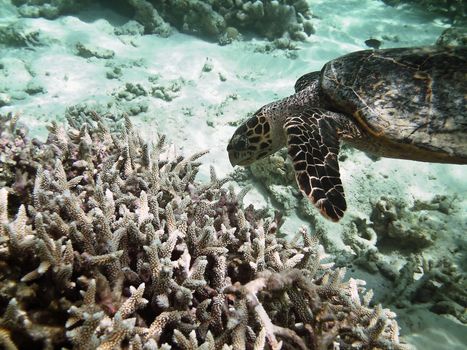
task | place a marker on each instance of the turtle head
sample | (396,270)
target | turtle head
(255,139)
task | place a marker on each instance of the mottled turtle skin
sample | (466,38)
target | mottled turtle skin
(407,103)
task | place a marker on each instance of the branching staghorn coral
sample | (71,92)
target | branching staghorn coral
(120,247)
(19,157)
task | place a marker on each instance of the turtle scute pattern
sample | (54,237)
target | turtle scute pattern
(314,150)
(409,95)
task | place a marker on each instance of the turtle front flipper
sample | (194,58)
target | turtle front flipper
(313,145)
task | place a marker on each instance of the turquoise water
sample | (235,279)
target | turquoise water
(194,71)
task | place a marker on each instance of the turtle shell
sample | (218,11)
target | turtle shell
(410,101)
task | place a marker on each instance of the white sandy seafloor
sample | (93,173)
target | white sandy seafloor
(208,88)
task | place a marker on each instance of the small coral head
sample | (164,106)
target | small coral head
(252,140)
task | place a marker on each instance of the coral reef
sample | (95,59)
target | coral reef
(219,20)
(276,175)
(456,10)
(48,9)
(439,286)
(19,159)
(454,36)
(393,241)
(149,17)
(117,246)
(223,19)
(396,241)
(392,219)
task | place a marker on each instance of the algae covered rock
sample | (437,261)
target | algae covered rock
(48,9)
(393,219)
(150,18)
(453,9)
(18,35)
(454,36)
(88,51)
(130,28)
(202,19)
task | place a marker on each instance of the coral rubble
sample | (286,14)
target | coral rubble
(117,246)
(439,285)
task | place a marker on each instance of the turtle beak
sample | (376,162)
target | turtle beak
(236,161)
(237,152)
(232,159)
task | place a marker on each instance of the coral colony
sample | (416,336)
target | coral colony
(218,20)
(108,242)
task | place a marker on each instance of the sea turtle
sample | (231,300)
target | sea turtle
(407,103)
